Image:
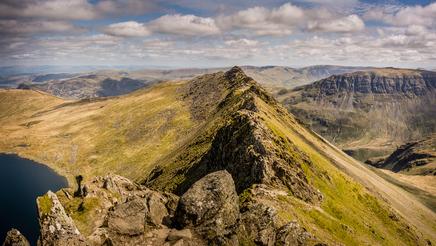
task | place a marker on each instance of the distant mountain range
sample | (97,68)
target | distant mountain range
(116,82)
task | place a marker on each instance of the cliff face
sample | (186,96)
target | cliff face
(368,113)
(373,82)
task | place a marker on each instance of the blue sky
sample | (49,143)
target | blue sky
(193,33)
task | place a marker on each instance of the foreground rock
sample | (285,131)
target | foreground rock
(211,207)
(15,238)
(57,228)
(116,211)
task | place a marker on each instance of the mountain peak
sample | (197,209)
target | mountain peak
(237,76)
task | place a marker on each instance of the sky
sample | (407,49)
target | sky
(203,33)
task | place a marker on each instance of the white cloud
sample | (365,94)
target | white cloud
(24,27)
(351,23)
(189,25)
(416,30)
(279,21)
(406,16)
(288,18)
(51,9)
(129,7)
(241,42)
(127,29)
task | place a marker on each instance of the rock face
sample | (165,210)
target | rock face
(57,228)
(210,206)
(412,84)
(15,238)
(242,143)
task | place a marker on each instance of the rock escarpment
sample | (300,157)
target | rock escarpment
(368,113)
(126,213)
(376,82)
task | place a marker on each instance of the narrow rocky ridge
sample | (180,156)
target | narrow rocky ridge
(242,144)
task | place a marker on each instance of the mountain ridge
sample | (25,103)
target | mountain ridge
(172,135)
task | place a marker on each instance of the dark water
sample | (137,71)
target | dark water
(21,181)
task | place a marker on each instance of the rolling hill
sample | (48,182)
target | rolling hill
(221,134)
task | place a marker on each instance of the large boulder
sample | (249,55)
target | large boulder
(210,207)
(15,238)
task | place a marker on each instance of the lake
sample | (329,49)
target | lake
(21,182)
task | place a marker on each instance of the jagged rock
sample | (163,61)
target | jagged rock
(159,209)
(119,184)
(259,222)
(248,150)
(292,234)
(262,224)
(128,218)
(15,238)
(210,206)
(57,228)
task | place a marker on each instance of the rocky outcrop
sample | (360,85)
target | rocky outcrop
(242,142)
(211,207)
(262,224)
(57,228)
(206,214)
(15,238)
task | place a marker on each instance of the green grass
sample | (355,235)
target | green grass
(84,211)
(348,213)
(44,204)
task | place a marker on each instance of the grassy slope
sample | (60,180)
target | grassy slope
(347,207)
(122,134)
(130,135)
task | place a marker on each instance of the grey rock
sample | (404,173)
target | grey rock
(57,228)
(128,218)
(292,234)
(210,206)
